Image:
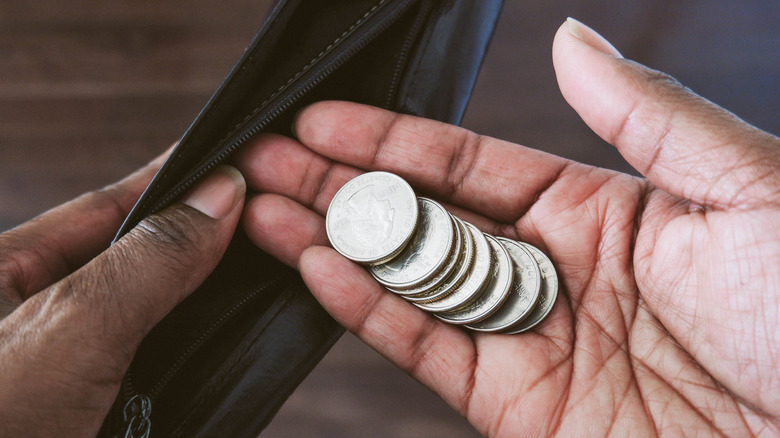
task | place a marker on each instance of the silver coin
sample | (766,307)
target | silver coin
(372,217)
(523,295)
(456,255)
(472,285)
(549,292)
(493,295)
(425,254)
(463,265)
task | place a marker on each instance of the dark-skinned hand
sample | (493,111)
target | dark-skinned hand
(72,313)
(668,318)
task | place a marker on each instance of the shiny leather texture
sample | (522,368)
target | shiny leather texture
(223,362)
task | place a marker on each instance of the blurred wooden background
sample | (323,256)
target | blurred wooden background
(90,90)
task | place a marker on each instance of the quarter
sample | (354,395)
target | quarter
(493,295)
(465,258)
(549,292)
(372,217)
(449,265)
(426,253)
(472,285)
(523,294)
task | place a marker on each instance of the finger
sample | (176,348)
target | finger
(276,164)
(442,357)
(286,225)
(51,246)
(280,165)
(115,299)
(82,332)
(283,227)
(681,142)
(493,177)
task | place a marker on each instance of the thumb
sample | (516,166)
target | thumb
(681,142)
(72,343)
(140,278)
(114,300)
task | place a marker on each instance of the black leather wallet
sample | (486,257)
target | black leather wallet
(223,362)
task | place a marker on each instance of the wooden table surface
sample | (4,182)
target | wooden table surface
(90,90)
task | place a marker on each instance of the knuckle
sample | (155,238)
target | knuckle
(111,199)
(661,78)
(15,265)
(8,304)
(170,239)
(10,262)
(169,248)
(665,83)
(462,161)
(170,230)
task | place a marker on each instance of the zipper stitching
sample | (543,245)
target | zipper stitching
(403,56)
(291,99)
(306,67)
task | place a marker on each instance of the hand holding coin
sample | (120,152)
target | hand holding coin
(668,308)
(420,263)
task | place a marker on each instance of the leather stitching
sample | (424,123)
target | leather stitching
(256,110)
(305,68)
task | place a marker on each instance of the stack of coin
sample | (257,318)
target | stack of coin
(438,262)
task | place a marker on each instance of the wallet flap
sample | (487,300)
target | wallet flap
(423,92)
(275,72)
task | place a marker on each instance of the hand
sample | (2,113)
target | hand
(72,313)
(668,319)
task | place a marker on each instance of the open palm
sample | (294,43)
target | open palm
(668,320)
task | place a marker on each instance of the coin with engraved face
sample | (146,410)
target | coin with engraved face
(462,251)
(372,217)
(426,253)
(549,292)
(494,294)
(523,295)
(467,289)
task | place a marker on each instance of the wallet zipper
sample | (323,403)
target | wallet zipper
(137,409)
(419,20)
(318,76)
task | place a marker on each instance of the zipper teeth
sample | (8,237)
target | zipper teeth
(306,67)
(273,95)
(287,102)
(404,54)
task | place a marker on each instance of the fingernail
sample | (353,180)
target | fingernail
(591,37)
(218,193)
